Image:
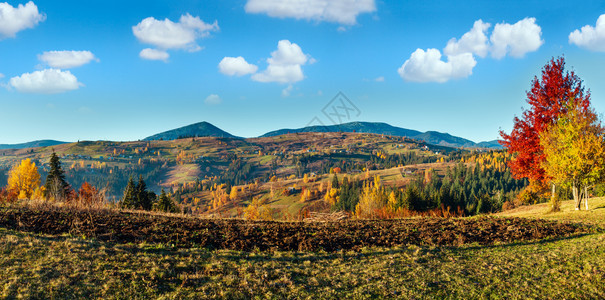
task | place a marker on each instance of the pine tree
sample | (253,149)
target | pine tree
(130,198)
(166,204)
(142,195)
(335,184)
(55,186)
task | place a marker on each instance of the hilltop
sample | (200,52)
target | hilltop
(201,129)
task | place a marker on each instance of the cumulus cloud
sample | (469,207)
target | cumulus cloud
(236,66)
(285,64)
(1,75)
(516,39)
(66,59)
(167,34)
(427,66)
(343,12)
(48,81)
(588,37)
(213,99)
(15,19)
(474,41)
(154,54)
(170,35)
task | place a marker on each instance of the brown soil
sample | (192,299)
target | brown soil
(129,227)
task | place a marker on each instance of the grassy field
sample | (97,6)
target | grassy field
(41,266)
(595,215)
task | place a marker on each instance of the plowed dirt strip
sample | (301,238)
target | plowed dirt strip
(125,227)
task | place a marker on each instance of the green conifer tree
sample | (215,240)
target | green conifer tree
(335,183)
(55,186)
(130,198)
(166,204)
(142,195)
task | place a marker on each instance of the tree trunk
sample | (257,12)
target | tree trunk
(554,200)
(586,197)
(552,194)
(577,199)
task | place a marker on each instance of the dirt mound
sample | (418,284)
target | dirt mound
(126,227)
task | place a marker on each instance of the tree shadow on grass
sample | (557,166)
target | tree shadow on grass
(258,256)
(526,243)
(599,207)
(370,252)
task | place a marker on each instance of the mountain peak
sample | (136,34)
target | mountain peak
(200,129)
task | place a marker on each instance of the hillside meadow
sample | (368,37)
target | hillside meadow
(76,266)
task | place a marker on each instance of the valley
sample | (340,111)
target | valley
(279,171)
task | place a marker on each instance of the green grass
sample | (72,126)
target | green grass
(40,266)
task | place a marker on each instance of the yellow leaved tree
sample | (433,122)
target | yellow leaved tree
(233,195)
(372,200)
(24,179)
(574,149)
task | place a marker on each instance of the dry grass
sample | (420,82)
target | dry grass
(595,215)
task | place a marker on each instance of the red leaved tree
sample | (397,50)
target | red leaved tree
(547,99)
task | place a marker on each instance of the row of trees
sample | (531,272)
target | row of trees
(24,182)
(472,190)
(136,196)
(559,140)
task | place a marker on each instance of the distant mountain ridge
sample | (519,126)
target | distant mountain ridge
(34,144)
(205,129)
(431,137)
(201,129)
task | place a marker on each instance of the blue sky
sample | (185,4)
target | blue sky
(124,70)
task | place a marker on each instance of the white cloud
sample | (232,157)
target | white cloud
(344,12)
(213,99)
(47,81)
(66,59)
(1,75)
(154,54)
(15,19)
(286,92)
(591,38)
(516,39)
(170,35)
(427,66)
(379,79)
(285,64)
(474,41)
(237,66)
